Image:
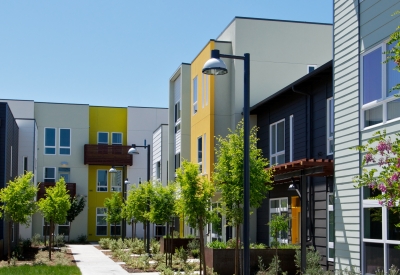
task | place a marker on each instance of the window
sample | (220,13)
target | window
(160,230)
(331,227)
(102,185)
(116,181)
(329,126)
(311,68)
(102,138)
(115,229)
(25,164)
(177,160)
(195,95)
(64,173)
(49,174)
(116,138)
(158,170)
(377,80)
(65,142)
(49,141)
(200,153)
(101,222)
(279,207)
(277,142)
(291,138)
(63,228)
(204,159)
(177,116)
(46,228)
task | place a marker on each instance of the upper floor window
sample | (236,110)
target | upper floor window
(50,141)
(64,173)
(377,80)
(177,160)
(116,138)
(49,174)
(158,170)
(116,181)
(177,116)
(195,95)
(277,142)
(65,142)
(311,68)
(200,153)
(102,138)
(329,126)
(102,184)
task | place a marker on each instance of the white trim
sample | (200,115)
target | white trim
(101,215)
(329,124)
(201,162)
(291,138)
(330,245)
(44,174)
(55,141)
(311,66)
(122,138)
(277,154)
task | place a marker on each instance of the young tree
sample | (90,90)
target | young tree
(228,177)
(137,204)
(55,206)
(18,203)
(194,202)
(279,224)
(77,206)
(114,206)
(162,205)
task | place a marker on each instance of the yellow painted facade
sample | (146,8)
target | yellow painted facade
(202,121)
(106,120)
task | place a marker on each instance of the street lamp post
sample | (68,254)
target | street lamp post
(133,151)
(215,66)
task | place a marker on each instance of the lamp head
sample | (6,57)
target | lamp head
(132,150)
(112,170)
(127,181)
(215,66)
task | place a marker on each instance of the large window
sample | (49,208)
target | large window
(102,138)
(200,153)
(116,181)
(279,207)
(102,184)
(331,228)
(50,141)
(177,116)
(65,142)
(277,142)
(380,236)
(116,138)
(101,222)
(49,174)
(378,78)
(195,95)
(329,126)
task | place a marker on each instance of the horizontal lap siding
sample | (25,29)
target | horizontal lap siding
(346,96)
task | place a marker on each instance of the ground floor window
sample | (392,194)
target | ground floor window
(101,222)
(279,207)
(115,229)
(331,228)
(160,230)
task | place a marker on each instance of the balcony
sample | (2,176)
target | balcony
(102,154)
(71,187)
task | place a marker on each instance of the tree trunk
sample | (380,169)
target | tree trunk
(50,234)
(69,230)
(9,240)
(115,231)
(237,271)
(45,231)
(202,252)
(144,235)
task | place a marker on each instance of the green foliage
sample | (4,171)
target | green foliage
(40,270)
(182,255)
(217,245)
(273,269)
(258,246)
(77,206)
(312,261)
(114,206)
(105,243)
(136,205)
(55,205)
(278,225)
(228,173)
(17,200)
(82,239)
(59,240)
(36,240)
(162,202)
(155,246)
(393,55)
(384,152)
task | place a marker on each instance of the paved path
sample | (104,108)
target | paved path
(92,261)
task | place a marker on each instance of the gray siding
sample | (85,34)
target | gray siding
(346,114)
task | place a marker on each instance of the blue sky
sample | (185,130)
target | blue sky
(118,53)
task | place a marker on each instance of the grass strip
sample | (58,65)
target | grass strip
(40,269)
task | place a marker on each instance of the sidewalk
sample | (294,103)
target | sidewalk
(92,261)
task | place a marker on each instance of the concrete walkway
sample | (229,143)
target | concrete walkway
(92,261)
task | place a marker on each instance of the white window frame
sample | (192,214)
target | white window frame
(200,153)
(108,138)
(97,181)
(117,143)
(279,211)
(329,124)
(50,146)
(104,215)
(277,154)
(44,174)
(291,138)
(116,178)
(195,92)
(59,142)
(384,100)
(66,172)
(311,66)
(330,245)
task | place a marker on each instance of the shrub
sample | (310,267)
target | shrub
(312,260)
(182,255)
(217,245)
(105,243)
(36,240)
(59,240)
(27,243)
(258,246)
(155,246)
(82,239)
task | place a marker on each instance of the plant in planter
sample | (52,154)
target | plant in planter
(278,225)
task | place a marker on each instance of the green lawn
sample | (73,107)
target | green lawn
(40,269)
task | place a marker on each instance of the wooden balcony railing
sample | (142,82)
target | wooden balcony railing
(102,154)
(71,187)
